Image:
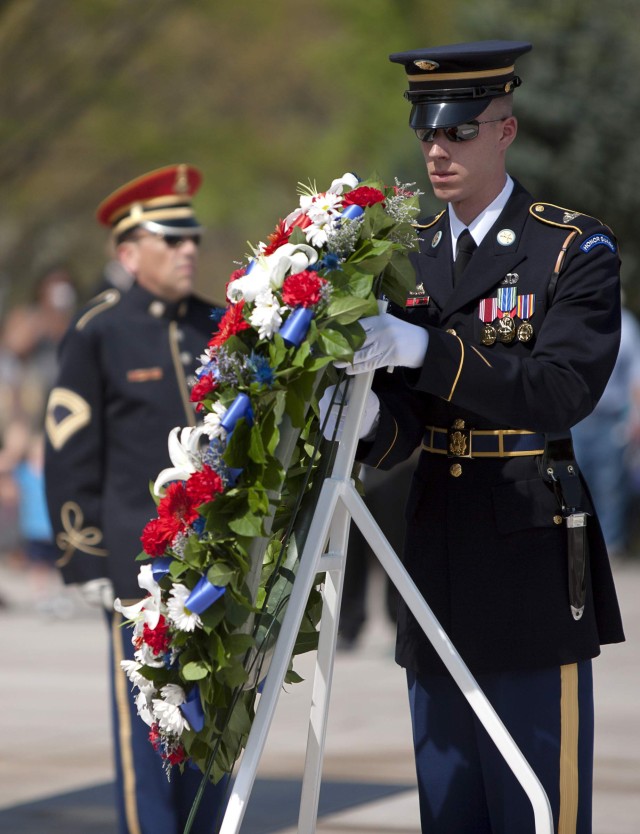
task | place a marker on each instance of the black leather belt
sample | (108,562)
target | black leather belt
(461,442)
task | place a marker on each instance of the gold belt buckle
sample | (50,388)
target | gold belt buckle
(459,440)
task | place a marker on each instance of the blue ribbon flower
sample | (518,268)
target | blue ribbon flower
(240,407)
(203,596)
(192,709)
(296,326)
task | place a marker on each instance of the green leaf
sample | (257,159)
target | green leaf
(248,525)
(348,309)
(256,446)
(334,344)
(195,671)
(221,574)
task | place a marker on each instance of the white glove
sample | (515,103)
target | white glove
(369,419)
(98,592)
(390,341)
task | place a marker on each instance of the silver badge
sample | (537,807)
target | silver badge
(510,278)
(568,216)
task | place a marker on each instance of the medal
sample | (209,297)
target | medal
(487,311)
(525,308)
(506,330)
(525,332)
(488,335)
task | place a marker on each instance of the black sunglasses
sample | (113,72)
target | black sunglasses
(172,241)
(457,133)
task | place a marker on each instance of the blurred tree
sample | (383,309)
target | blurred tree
(260,96)
(579,107)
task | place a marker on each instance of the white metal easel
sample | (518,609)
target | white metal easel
(325,551)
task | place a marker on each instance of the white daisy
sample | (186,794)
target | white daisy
(180,616)
(173,694)
(212,420)
(169,717)
(267,315)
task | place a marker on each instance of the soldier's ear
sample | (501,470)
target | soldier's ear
(127,253)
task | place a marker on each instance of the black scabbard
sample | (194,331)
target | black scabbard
(577,556)
(558,467)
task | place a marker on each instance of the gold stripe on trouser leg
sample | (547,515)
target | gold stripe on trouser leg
(569,726)
(124,729)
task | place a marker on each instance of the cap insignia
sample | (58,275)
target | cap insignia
(429,66)
(182,180)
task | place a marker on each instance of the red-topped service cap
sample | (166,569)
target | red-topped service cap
(159,201)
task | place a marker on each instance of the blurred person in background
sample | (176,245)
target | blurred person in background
(29,341)
(126,364)
(606,440)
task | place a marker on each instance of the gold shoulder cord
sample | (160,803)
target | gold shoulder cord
(102,302)
(429,225)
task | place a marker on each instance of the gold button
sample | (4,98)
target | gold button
(157,308)
(451,331)
(456,470)
(557,519)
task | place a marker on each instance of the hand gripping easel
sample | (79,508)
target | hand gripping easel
(325,551)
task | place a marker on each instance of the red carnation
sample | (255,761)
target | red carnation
(302,289)
(157,638)
(202,388)
(177,509)
(156,538)
(363,196)
(278,238)
(231,323)
(204,485)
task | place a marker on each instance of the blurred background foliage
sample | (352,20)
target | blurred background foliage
(262,95)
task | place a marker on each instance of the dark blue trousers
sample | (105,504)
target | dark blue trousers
(149,803)
(464,784)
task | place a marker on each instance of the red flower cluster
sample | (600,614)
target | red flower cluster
(231,323)
(157,638)
(278,238)
(201,390)
(179,508)
(363,197)
(176,511)
(174,753)
(203,486)
(304,289)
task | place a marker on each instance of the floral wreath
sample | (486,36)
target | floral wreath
(221,554)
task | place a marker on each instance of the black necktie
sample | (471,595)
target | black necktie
(465,248)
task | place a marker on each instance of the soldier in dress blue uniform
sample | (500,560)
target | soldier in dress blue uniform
(125,367)
(507,341)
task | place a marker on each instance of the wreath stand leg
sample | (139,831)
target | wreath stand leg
(325,551)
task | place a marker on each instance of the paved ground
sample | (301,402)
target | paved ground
(55,765)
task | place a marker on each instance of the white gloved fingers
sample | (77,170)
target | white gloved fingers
(98,592)
(390,341)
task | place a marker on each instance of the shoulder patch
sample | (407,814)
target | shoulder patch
(597,240)
(67,413)
(104,301)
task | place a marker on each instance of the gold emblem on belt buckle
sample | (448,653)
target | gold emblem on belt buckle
(459,440)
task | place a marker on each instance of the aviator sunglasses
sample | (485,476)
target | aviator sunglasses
(172,241)
(457,133)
